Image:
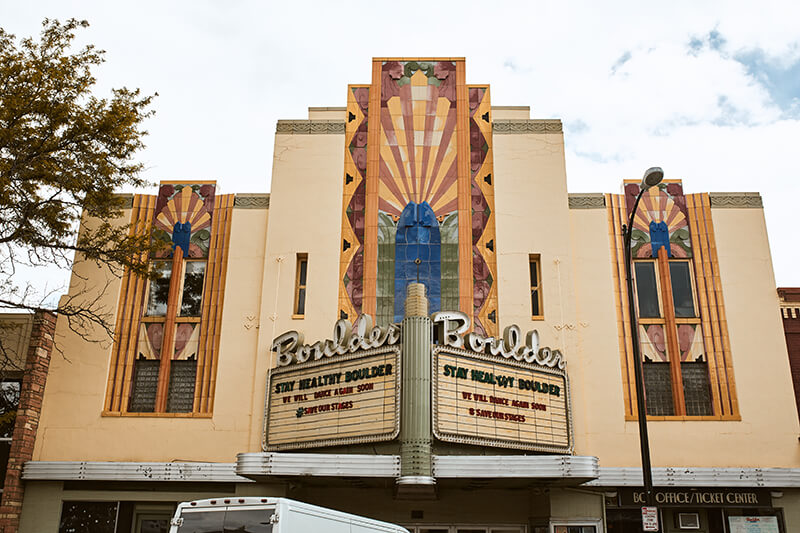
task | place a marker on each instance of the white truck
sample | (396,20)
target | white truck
(269,515)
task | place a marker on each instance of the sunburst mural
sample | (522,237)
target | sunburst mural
(184,216)
(418,184)
(418,144)
(660,220)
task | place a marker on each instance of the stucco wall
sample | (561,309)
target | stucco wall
(72,427)
(533,217)
(579,318)
(761,368)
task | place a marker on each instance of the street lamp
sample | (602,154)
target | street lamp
(651,178)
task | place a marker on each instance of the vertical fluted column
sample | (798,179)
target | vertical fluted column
(415,414)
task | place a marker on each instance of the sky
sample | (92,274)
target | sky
(710,91)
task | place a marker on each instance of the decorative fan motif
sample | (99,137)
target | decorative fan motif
(184,218)
(418,142)
(418,160)
(662,207)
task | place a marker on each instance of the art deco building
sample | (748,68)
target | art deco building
(441,226)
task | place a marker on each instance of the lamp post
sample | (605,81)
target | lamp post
(652,177)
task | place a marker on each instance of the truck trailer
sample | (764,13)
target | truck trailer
(269,515)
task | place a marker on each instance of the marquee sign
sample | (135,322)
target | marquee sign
(487,391)
(479,399)
(498,392)
(352,399)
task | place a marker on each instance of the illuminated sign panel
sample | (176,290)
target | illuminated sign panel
(492,401)
(350,399)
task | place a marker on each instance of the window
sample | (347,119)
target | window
(301,274)
(171,326)
(682,296)
(166,348)
(159,289)
(534,267)
(94,517)
(9,402)
(647,290)
(192,291)
(675,367)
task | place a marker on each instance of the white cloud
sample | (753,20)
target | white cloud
(226,72)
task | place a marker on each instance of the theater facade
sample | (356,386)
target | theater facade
(420,324)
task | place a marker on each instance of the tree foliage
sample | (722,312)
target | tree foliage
(64,153)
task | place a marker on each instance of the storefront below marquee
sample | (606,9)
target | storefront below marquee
(703,510)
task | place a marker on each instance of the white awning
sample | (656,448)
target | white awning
(699,477)
(123,471)
(317,464)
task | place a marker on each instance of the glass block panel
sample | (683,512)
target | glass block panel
(182,376)
(682,289)
(88,517)
(192,298)
(159,289)
(658,389)
(646,290)
(144,386)
(696,388)
(385,282)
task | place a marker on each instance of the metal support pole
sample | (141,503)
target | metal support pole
(641,409)
(416,479)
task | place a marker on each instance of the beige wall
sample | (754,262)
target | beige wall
(594,365)
(761,368)
(305,217)
(72,427)
(580,319)
(533,217)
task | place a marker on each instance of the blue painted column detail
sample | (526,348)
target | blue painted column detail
(417,238)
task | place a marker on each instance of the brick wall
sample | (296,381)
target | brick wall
(34,378)
(791,327)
